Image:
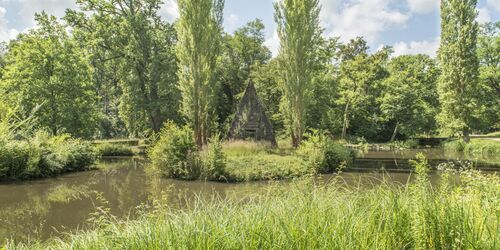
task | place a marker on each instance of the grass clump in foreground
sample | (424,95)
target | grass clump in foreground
(475,147)
(305,215)
(175,155)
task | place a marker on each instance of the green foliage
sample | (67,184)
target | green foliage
(199,31)
(305,215)
(475,147)
(360,77)
(134,64)
(409,98)
(487,116)
(298,29)
(322,155)
(175,153)
(459,65)
(214,160)
(43,156)
(264,166)
(114,149)
(242,54)
(46,67)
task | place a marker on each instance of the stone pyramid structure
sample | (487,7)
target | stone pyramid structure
(250,121)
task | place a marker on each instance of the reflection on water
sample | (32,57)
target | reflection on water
(42,208)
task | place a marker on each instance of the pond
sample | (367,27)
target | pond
(40,209)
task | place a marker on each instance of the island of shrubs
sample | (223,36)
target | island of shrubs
(175,154)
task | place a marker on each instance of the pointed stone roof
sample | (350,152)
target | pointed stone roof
(250,121)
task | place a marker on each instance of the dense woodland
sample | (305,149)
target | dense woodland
(114,68)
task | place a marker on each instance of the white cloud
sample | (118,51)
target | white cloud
(417,47)
(273,43)
(423,6)
(6,34)
(494,4)
(367,18)
(231,22)
(169,10)
(51,7)
(484,15)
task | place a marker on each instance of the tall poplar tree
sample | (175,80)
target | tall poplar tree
(199,34)
(459,65)
(298,30)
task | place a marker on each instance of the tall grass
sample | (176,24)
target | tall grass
(114,149)
(43,155)
(26,153)
(475,147)
(305,215)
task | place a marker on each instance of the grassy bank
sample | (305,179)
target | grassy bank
(114,149)
(42,156)
(475,147)
(304,215)
(175,155)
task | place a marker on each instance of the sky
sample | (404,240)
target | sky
(409,26)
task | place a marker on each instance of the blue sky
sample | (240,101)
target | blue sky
(410,26)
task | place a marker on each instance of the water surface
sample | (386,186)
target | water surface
(40,209)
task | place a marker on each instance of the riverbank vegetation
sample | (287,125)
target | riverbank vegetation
(176,155)
(114,149)
(475,147)
(310,214)
(26,153)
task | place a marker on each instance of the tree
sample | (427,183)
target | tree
(459,65)
(199,32)
(488,52)
(298,28)
(45,66)
(360,77)
(133,56)
(242,54)
(409,100)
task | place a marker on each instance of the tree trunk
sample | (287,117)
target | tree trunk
(466,133)
(295,142)
(346,121)
(395,133)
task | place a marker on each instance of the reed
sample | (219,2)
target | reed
(306,214)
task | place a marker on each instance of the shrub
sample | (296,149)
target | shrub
(44,155)
(175,153)
(113,149)
(214,161)
(15,159)
(322,154)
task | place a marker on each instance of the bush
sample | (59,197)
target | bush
(175,153)
(15,160)
(322,154)
(214,161)
(43,156)
(113,149)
